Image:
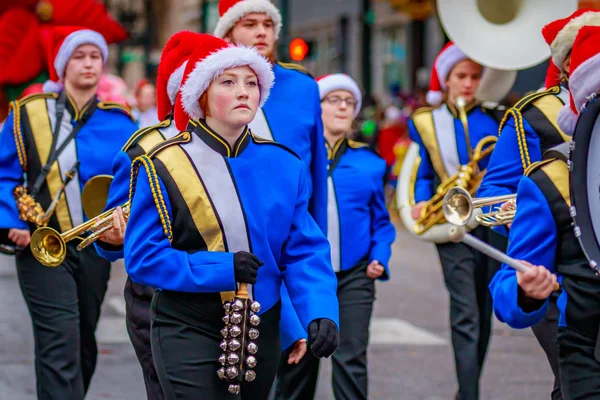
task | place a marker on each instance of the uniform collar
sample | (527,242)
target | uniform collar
(76,113)
(338,148)
(335,153)
(468,108)
(218,144)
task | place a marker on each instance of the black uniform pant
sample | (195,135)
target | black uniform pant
(579,368)
(467,273)
(64,305)
(356,294)
(545,332)
(185,346)
(137,319)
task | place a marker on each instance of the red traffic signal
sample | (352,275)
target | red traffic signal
(298,49)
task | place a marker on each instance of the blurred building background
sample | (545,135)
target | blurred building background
(387,45)
(384,44)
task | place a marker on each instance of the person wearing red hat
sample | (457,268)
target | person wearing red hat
(47,135)
(542,235)
(360,234)
(216,205)
(529,130)
(138,297)
(444,145)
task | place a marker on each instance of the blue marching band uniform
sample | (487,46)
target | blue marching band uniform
(195,202)
(544,201)
(529,129)
(64,326)
(443,149)
(359,231)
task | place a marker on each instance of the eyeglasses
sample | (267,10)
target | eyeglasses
(337,100)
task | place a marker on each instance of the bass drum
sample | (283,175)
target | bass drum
(406,200)
(584,182)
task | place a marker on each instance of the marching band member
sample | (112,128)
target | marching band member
(64,302)
(529,130)
(138,297)
(542,235)
(291,116)
(360,234)
(444,146)
(211,206)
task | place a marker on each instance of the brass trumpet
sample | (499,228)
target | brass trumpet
(459,207)
(49,246)
(468,177)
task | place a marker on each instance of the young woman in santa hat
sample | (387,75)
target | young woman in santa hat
(529,130)
(216,205)
(64,302)
(542,235)
(360,234)
(444,147)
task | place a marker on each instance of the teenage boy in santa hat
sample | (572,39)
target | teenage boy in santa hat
(529,130)
(444,146)
(138,297)
(291,116)
(542,236)
(64,302)
(216,205)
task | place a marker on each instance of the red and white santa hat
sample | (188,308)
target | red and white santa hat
(231,11)
(584,79)
(444,62)
(62,43)
(210,59)
(560,34)
(169,76)
(332,82)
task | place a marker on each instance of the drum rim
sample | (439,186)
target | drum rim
(578,161)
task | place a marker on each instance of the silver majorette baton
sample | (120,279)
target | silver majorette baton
(458,234)
(239,350)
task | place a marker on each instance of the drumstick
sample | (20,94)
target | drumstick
(460,235)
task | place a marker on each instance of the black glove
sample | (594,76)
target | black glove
(323,337)
(245,267)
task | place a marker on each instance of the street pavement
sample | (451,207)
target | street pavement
(410,356)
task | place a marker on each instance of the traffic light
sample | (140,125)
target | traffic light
(299,49)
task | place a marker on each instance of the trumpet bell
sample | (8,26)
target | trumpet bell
(48,247)
(458,207)
(95,194)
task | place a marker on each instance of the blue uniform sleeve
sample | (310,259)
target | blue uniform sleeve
(150,260)
(117,195)
(11,175)
(318,169)
(505,168)
(424,189)
(290,327)
(383,232)
(306,265)
(533,239)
